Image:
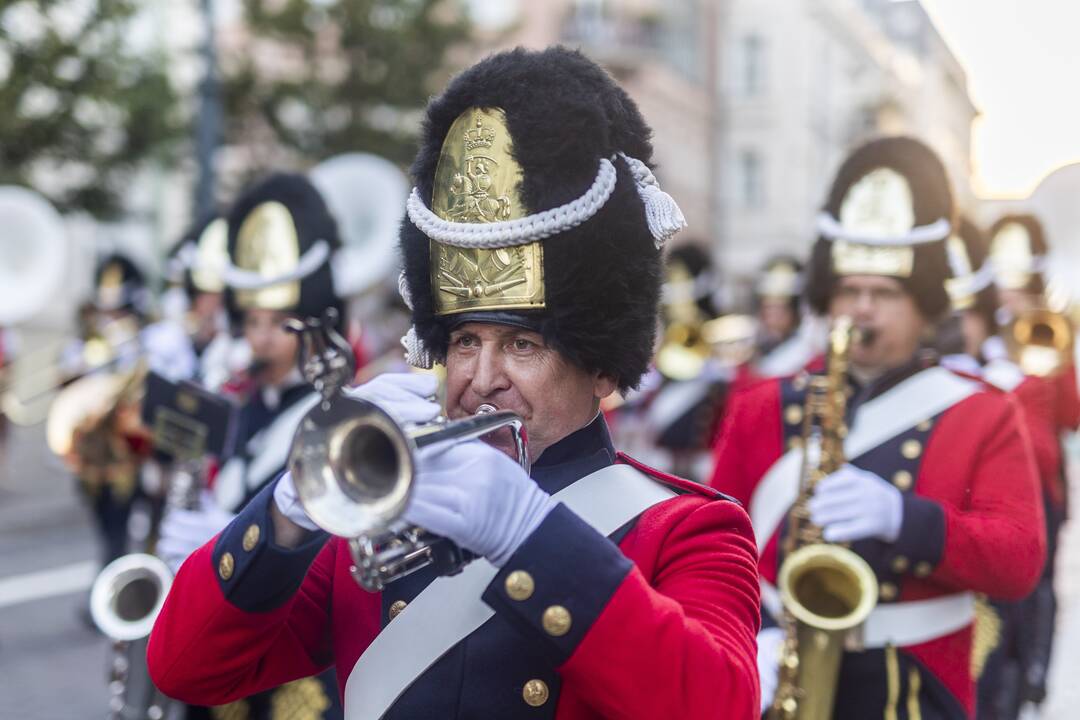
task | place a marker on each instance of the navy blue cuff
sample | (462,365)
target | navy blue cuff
(256,574)
(921,543)
(558,582)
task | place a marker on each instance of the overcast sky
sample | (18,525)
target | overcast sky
(1023,64)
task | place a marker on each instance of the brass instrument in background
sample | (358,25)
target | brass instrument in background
(353,465)
(827,590)
(1040,342)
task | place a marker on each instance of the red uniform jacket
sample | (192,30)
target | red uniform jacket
(664,622)
(972,515)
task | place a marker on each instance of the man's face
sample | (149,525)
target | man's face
(1017,301)
(777,318)
(513,369)
(206,307)
(880,305)
(271,344)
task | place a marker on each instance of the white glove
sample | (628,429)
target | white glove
(405,396)
(478,497)
(855,504)
(770,642)
(288,502)
(185,531)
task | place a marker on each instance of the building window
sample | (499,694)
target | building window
(752,65)
(751,185)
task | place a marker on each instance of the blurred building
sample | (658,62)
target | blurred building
(803,82)
(754,103)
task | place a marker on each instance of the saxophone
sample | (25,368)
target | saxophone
(827,590)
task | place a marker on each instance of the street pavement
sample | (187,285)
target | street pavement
(52,667)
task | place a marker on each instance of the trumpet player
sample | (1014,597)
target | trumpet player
(1015,295)
(939,496)
(280,240)
(641,602)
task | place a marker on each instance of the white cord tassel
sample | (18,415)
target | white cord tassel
(415,352)
(661,211)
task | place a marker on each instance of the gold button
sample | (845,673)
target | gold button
(519,585)
(911,449)
(887,591)
(535,693)
(396,607)
(903,480)
(225,566)
(924,426)
(923,569)
(900,564)
(794,443)
(251,537)
(793,414)
(556,620)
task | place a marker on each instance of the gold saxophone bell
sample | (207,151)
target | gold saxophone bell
(1040,342)
(127,596)
(354,465)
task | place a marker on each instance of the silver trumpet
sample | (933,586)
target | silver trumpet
(353,466)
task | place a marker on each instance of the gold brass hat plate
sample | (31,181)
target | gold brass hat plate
(267,244)
(476,181)
(879,205)
(1010,251)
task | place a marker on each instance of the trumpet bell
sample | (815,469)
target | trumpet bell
(128,595)
(352,466)
(1041,342)
(827,587)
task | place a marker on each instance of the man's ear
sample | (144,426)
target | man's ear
(603,385)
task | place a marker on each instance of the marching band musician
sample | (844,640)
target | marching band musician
(280,241)
(787,341)
(1018,252)
(974,297)
(940,494)
(532,264)
(107,451)
(195,301)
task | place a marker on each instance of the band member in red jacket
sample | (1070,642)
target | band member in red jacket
(940,495)
(532,264)
(1048,390)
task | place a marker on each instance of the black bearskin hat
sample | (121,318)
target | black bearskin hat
(281,239)
(569,124)
(120,285)
(888,212)
(1017,245)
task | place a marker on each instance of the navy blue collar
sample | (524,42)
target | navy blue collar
(580,453)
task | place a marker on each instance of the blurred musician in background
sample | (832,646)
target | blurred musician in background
(281,239)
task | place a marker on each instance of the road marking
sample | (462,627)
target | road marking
(47,583)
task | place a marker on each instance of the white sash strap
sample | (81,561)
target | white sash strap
(921,396)
(904,623)
(450,608)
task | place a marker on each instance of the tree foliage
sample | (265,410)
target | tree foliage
(83,105)
(322,77)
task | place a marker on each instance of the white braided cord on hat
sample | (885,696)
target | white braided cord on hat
(520,231)
(662,214)
(241,279)
(830,228)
